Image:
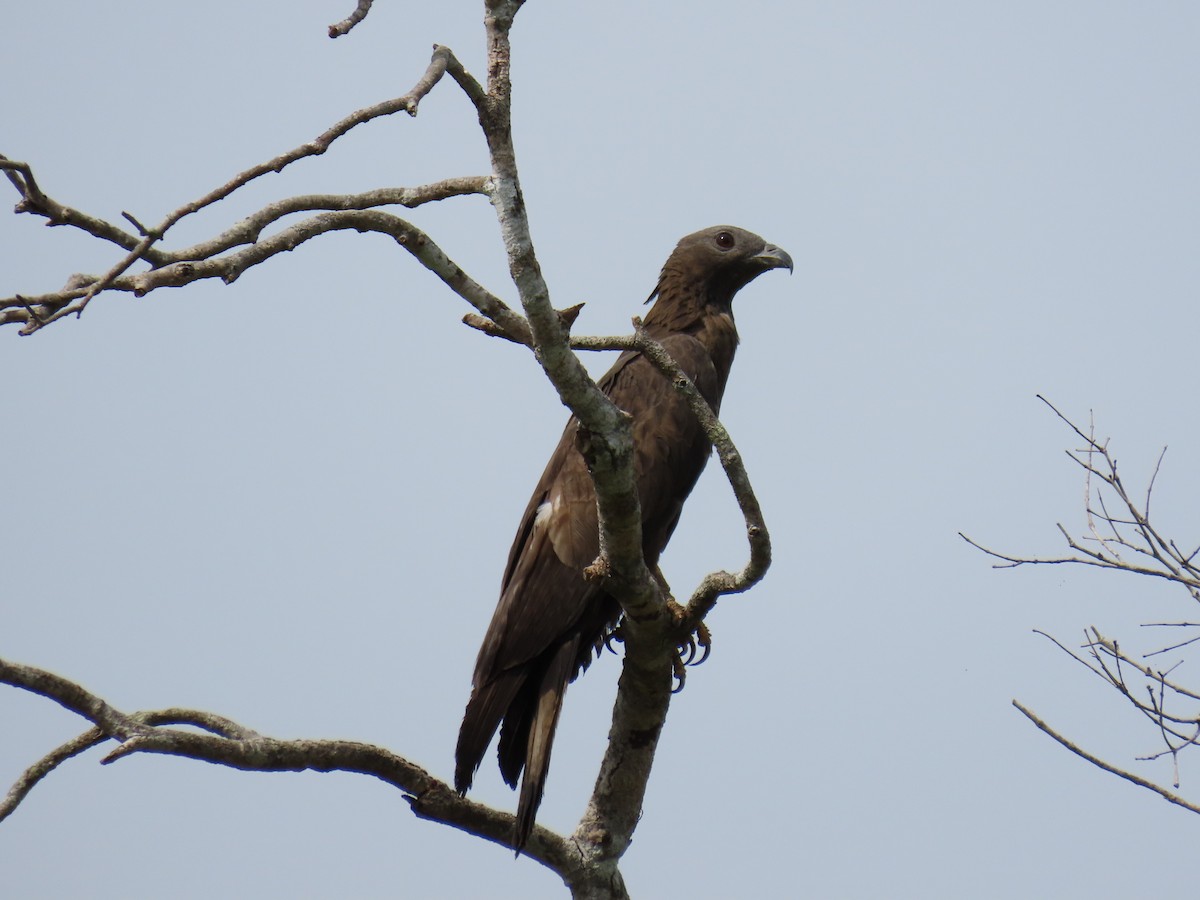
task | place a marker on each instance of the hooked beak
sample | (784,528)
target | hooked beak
(774,258)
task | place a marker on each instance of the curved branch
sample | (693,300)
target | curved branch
(230,744)
(44,766)
(33,200)
(718,583)
(715,584)
(588,861)
(96,736)
(644,693)
(70,696)
(248,230)
(230,267)
(344,26)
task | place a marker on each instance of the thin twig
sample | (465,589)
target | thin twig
(1096,761)
(34,201)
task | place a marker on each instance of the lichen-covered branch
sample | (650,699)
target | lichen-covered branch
(717,583)
(230,267)
(224,742)
(609,452)
(588,860)
(343,27)
(645,687)
(36,312)
(250,229)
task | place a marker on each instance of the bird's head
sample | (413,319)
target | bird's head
(719,262)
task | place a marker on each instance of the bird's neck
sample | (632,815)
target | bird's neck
(682,308)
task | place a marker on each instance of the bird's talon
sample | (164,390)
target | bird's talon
(679,670)
(704,640)
(685,651)
(615,635)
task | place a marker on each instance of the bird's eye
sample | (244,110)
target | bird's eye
(725,240)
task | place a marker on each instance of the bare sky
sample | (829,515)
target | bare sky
(289,500)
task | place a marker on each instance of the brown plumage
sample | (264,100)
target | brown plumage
(549,620)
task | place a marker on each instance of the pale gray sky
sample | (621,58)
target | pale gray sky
(289,501)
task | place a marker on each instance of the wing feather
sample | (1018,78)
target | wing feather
(549,619)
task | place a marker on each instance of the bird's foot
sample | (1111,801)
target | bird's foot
(693,641)
(615,635)
(697,640)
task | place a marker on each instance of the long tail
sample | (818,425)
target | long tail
(540,740)
(529,701)
(489,703)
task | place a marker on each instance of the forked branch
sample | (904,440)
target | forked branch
(224,742)
(1121,536)
(588,861)
(36,312)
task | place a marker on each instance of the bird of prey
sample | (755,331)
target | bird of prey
(549,619)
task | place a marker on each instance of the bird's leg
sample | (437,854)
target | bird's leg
(685,652)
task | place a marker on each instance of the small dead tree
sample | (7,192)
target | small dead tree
(1120,536)
(587,860)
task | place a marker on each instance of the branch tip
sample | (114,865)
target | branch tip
(347,24)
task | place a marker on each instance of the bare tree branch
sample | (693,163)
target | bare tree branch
(38,312)
(1169,563)
(1121,537)
(653,626)
(344,26)
(230,267)
(608,440)
(717,583)
(249,229)
(1096,761)
(607,446)
(230,744)
(33,200)
(96,736)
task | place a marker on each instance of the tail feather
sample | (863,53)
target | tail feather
(529,701)
(514,732)
(540,741)
(489,703)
